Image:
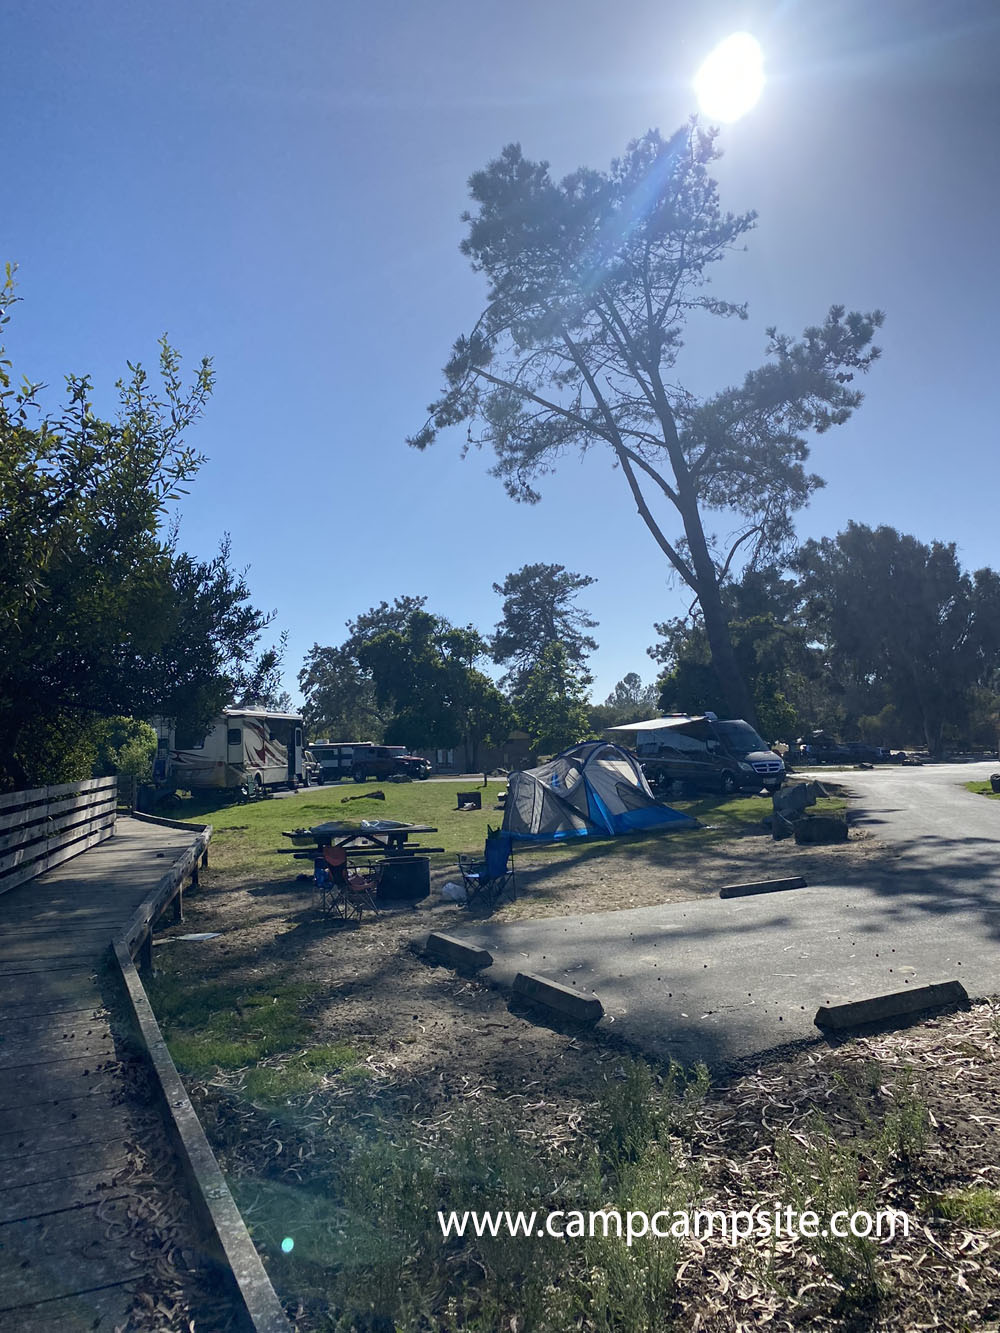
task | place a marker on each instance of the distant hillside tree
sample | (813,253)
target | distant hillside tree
(629,701)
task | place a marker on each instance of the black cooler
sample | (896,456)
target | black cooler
(403,879)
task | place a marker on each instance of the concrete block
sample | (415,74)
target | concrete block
(790,801)
(781,827)
(458,952)
(879,1008)
(762,886)
(817,829)
(554,995)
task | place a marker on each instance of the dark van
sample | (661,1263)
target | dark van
(718,756)
(336,759)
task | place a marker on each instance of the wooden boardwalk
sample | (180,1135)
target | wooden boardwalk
(79,1182)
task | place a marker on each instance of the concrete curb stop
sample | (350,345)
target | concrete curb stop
(762,886)
(857,1013)
(459,952)
(554,995)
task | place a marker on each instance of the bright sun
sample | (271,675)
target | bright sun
(730,81)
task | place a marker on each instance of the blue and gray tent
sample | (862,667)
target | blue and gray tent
(589,791)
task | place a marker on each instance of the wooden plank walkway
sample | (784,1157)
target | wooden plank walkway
(77,1185)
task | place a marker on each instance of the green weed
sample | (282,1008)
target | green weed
(978,1207)
(274,1084)
(217,1026)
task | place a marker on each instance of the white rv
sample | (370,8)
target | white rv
(245,747)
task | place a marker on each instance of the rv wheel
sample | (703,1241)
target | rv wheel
(359,775)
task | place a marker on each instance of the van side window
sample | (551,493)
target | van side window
(686,744)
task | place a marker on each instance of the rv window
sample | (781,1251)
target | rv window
(234,736)
(298,735)
(188,740)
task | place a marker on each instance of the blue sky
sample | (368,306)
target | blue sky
(280,187)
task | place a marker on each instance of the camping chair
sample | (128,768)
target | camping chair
(492,874)
(330,884)
(359,888)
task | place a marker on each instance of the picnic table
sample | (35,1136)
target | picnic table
(370,837)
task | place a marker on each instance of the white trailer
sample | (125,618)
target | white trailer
(245,747)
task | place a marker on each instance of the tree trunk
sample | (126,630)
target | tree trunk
(738,699)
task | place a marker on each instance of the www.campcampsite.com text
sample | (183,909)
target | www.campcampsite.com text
(699,1224)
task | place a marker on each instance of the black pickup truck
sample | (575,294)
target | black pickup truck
(375,763)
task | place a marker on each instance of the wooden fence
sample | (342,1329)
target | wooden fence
(47,825)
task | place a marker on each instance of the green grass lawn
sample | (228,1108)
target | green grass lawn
(983,789)
(248,836)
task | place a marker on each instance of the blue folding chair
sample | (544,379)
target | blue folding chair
(491,875)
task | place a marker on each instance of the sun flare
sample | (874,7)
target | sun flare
(731,79)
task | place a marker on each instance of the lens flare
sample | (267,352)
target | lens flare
(287,1245)
(731,79)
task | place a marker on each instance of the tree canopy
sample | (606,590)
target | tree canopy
(539,609)
(771,644)
(592,281)
(99,614)
(425,672)
(551,705)
(904,626)
(340,694)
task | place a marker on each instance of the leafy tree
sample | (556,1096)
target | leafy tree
(126,745)
(340,694)
(539,609)
(629,701)
(771,647)
(591,283)
(99,615)
(552,704)
(425,670)
(633,701)
(207,654)
(901,622)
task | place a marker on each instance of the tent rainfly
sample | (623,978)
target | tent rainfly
(590,790)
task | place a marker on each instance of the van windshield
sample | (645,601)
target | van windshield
(739,738)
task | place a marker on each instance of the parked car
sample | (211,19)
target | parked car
(863,753)
(819,748)
(374,763)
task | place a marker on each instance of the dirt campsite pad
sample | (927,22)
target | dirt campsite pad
(351,1089)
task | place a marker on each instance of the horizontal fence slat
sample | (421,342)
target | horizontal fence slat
(15,800)
(51,824)
(25,873)
(36,814)
(36,851)
(43,827)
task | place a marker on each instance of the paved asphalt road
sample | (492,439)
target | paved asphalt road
(722,980)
